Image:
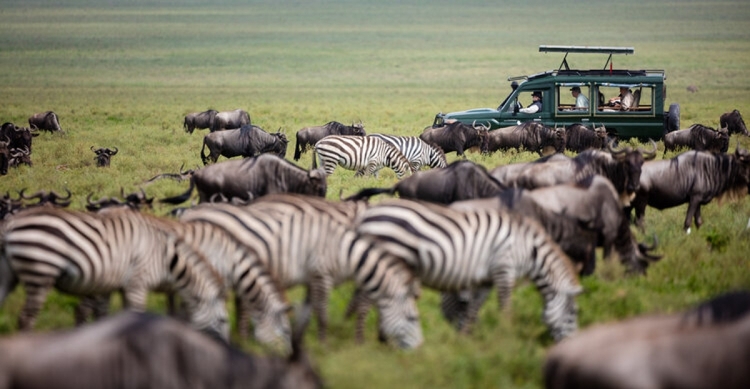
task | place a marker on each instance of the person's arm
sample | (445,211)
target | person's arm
(531,109)
(627,102)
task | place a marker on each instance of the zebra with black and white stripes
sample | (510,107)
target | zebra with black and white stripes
(366,155)
(454,250)
(309,241)
(418,152)
(94,254)
(257,295)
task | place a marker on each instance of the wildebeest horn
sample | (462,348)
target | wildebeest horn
(644,250)
(37,195)
(93,205)
(55,197)
(648,155)
(113,152)
(217,198)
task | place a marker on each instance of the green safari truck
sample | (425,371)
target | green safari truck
(642,115)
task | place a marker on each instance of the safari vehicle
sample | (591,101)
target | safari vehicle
(645,119)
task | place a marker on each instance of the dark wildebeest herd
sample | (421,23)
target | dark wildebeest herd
(263,224)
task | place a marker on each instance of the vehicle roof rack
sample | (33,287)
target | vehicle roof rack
(585,49)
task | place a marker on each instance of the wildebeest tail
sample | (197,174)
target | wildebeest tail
(297,150)
(369,192)
(181,198)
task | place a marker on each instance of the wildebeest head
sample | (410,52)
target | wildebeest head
(103,155)
(19,156)
(318,182)
(734,123)
(630,162)
(135,200)
(280,146)
(52,198)
(483,134)
(357,129)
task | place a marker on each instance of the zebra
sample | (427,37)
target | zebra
(306,240)
(454,250)
(92,254)
(257,295)
(418,152)
(366,155)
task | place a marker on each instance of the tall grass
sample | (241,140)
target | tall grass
(124,74)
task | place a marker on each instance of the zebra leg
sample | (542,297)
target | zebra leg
(319,289)
(134,299)
(36,295)
(242,313)
(360,305)
(503,279)
(477,298)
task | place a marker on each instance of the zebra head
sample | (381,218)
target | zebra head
(561,313)
(272,326)
(399,317)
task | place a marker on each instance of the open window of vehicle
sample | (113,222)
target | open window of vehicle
(573,98)
(608,96)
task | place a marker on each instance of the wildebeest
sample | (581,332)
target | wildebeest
(199,120)
(19,157)
(461,180)
(457,136)
(707,347)
(247,141)
(698,137)
(250,178)
(47,121)
(309,136)
(135,200)
(142,350)
(230,119)
(580,138)
(4,157)
(693,177)
(733,122)
(103,155)
(621,167)
(20,137)
(531,136)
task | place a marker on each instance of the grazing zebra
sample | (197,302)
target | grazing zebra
(257,297)
(92,254)
(366,155)
(453,250)
(309,241)
(418,152)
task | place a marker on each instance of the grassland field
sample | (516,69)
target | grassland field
(123,74)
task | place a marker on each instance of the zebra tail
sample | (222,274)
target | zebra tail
(8,279)
(181,198)
(369,192)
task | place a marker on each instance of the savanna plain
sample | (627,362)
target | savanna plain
(124,74)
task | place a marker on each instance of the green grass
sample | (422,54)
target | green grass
(125,74)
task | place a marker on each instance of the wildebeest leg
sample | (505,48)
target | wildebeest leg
(693,212)
(589,262)
(36,295)
(94,307)
(319,290)
(639,204)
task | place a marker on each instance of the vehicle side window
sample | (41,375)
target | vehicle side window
(573,99)
(625,99)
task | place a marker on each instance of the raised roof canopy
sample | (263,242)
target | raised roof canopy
(585,49)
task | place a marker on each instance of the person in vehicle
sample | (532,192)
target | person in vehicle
(624,101)
(582,102)
(536,104)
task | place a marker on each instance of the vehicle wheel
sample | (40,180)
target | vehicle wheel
(673,118)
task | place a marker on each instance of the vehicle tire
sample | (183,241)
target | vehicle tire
(673,118)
